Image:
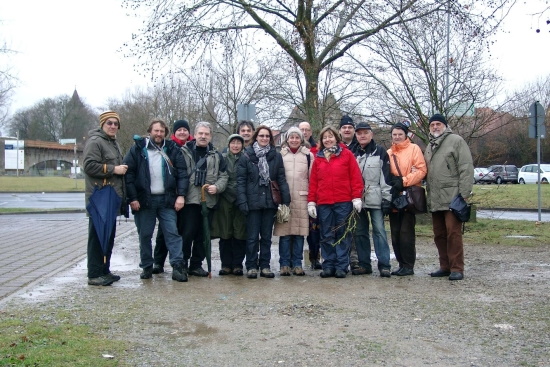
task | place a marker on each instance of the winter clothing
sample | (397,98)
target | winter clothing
(401,126)
(362,126)
(346,120)
(439,117)
(181,123)
(408,155)
(450,171)
(107,115)
(101,155)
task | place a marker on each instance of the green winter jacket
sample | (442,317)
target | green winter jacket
(450,170)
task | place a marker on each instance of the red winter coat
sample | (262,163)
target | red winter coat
(335,181)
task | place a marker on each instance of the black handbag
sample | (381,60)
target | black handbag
(460,208)
(414,199)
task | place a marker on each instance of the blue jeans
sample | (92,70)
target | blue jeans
(379,237)
(333,222)
(285,257)
(145,219)
(259,223)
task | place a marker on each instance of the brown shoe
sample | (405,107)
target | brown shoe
(298,271)
(285,271)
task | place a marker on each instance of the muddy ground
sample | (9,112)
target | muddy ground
(498,316)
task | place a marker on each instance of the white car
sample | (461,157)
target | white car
(529,174)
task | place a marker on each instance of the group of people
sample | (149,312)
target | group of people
(334,191)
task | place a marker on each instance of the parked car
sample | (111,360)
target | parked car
(481,175)
(529,174)
(503,173)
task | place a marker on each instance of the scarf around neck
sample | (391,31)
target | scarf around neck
(262,164)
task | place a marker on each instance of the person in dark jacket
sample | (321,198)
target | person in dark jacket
(260,165)
(229,223)
(156,184)
(103,166)
(180,136)
(347,133)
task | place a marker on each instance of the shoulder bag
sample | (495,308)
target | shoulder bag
(415,195)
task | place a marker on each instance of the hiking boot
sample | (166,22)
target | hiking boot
(385,273)
(440,273)
(158,269)
(179,273)
(237,271)
(147,273)
(285,271)
(317,265)
(340,274)
(404,272)
(361,271)
(396,271)
(298,271)
(327,273)
(252,274)
(198,272)
(456,275)
(102,280)
(225,271)
(112,276)
(267,273)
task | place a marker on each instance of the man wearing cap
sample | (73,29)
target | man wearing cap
(444,182)
(205,166)
(156,185)
(180,136)
(347,132)
(374,165)
(103,166)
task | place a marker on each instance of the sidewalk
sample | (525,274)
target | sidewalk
(37,246)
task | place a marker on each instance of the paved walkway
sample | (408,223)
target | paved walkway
(36,246)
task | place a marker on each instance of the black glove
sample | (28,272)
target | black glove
(244,208)
(397,184)
(386,207)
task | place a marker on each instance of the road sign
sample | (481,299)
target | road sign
(537,117)
(246,111)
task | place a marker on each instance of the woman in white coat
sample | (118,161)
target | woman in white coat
(297,160)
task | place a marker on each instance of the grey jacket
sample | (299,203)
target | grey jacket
(450,170)
(374,164)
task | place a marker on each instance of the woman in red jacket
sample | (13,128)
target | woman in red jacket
(335,188)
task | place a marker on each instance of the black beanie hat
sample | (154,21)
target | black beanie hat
(401,126)
(439,117)
(181,123)
(346,120)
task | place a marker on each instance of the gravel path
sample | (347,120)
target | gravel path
(498,316)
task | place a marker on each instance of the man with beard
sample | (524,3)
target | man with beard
(205,165)
(156,183)
(450,172)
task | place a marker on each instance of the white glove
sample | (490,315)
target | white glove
(357,205)
(312,209)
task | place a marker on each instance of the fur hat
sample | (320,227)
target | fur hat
(234,136)
(401,126)
(439,117)
(107,115)
(295,130)
(181,123)
(346,120)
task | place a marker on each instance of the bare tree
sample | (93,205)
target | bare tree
(313,35)
(8,82)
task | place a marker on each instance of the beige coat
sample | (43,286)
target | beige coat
(297,175)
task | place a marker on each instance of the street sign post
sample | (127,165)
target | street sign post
(537,130)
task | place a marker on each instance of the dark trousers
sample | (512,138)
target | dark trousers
(232,252)
(403,238)
(333,220)
(259,223)
(96,264)
(314,240)
(448,240)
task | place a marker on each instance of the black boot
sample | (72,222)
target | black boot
(179,273)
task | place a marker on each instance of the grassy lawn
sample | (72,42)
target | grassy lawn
(40,184)
(511,196)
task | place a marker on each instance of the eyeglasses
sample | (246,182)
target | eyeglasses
(264,136)
(111,123)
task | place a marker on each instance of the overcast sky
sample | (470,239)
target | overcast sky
(63,44)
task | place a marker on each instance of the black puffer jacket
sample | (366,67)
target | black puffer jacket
(248,180)
(138,177)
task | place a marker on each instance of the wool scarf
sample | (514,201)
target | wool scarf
(261,152)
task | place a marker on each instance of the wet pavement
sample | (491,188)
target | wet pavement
(35,200)
(34,247)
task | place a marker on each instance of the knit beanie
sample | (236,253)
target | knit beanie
(439,117)
(107,115)
(295,130)
(181,123)
(401,126)
(234,136)
(346,120)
